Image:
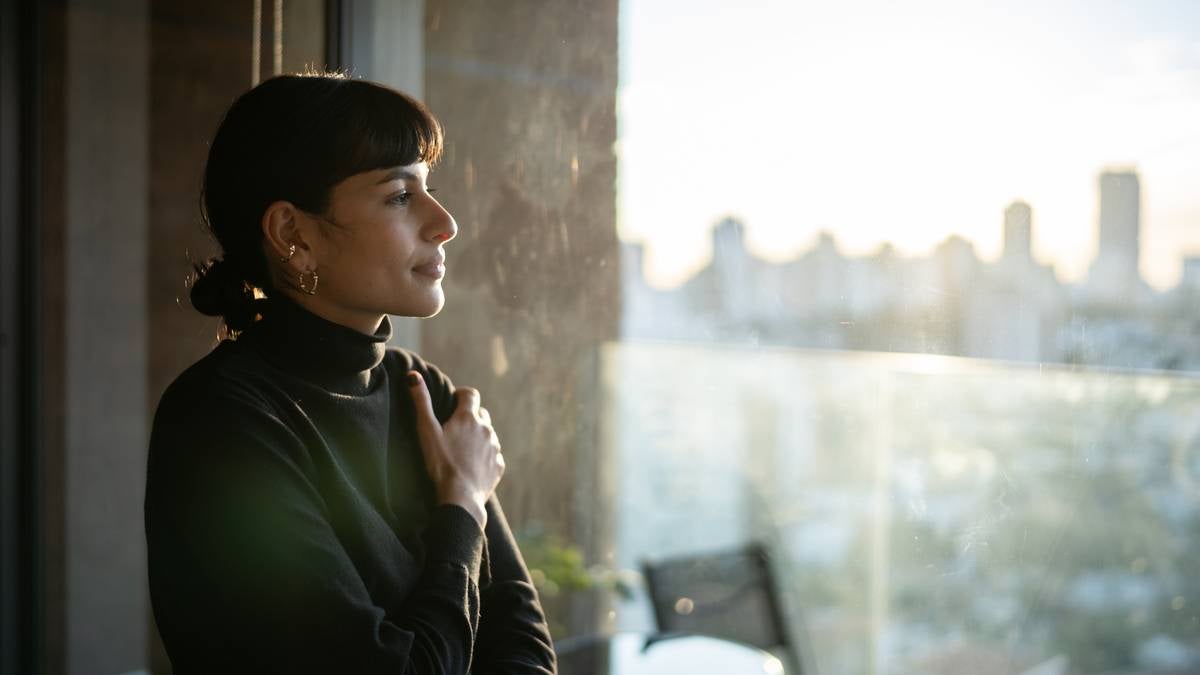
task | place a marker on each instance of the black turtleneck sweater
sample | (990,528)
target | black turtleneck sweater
(292,526)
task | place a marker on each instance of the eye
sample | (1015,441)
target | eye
(402,198)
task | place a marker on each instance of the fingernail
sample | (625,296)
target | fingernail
(413,379)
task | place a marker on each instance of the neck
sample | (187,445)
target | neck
(366,323)
(335,356)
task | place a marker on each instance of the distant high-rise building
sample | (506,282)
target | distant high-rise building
(1120,215)
(1114,273)
(958,262)
(1191,273)
(733,270)
(729,241)
(1018,231)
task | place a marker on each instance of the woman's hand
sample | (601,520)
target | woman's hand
(463,457)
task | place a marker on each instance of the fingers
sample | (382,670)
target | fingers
(427,422)
(498,458)
(467,398)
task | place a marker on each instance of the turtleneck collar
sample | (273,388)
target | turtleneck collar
(329,354)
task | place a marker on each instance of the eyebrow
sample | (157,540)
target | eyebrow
(396,174)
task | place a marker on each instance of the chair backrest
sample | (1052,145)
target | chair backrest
(727,594)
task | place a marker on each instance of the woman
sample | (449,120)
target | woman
(315,501)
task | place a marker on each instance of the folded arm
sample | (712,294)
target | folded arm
(514,637)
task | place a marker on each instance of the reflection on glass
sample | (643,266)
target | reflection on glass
(635,654)
(924,513)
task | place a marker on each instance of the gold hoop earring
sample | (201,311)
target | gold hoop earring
(304,286)
(288,258)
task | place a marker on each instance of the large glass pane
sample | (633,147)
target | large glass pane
(925,512)
(801,181)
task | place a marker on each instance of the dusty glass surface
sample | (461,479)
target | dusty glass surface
(924,511)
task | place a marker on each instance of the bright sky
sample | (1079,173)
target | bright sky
(906,122)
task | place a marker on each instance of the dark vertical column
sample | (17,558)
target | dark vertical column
(21,597)
(51,323)
(527,93)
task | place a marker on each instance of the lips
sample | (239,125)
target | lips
(435,268)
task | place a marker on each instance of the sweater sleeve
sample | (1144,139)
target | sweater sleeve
(248,575)
(514,637)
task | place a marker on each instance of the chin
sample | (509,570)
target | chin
(430,315)
(422,310)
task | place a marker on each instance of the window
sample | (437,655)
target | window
(905,292)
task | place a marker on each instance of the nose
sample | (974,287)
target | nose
(441,226)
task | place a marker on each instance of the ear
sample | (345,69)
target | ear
(283,228)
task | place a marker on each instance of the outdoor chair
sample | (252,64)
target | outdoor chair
(726,594)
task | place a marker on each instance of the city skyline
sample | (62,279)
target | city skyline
(950,301)
(1016,228)
(879,123)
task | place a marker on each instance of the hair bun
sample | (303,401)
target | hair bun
(219,289)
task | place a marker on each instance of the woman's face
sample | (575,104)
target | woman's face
(383,254)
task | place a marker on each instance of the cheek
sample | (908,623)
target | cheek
(380,247)
(384,256)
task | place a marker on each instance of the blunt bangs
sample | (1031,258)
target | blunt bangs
(335,127)
(381,128)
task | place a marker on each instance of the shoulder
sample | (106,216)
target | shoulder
(229,374)
(399,361)
(219,437)
(222,405)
